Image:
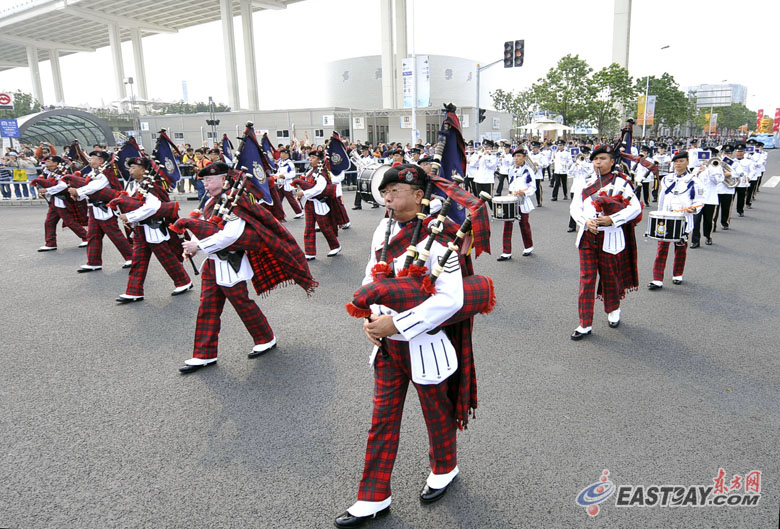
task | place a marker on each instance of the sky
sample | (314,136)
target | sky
(709,42)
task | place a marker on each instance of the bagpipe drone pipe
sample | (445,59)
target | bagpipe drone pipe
(415,283)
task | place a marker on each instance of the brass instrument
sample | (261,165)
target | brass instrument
(729,179)
(530,162)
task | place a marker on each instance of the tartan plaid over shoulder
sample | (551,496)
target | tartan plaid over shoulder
(277,259)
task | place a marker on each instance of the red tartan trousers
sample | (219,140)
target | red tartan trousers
(659,265)
(95,232)
(294,204)
(594,260)
(212,301)
(53,216)
(391,380)
(142,254)
(525,231)
(326,227)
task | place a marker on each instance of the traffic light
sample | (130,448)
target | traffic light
(481,115)
(519,53)
(509,50)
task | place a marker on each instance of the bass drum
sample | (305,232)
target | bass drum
(368,183)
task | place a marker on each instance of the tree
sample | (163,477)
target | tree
(520,104)
(734,116)
(672,107)
(611,90)
(564,90)
(23,104)
(180,107)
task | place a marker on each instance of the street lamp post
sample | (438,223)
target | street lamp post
(647,91)
(136,119)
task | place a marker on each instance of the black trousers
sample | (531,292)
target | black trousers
(478,188)
(703,216)
(539,193)
(560,180)
(725,208)
(501,180)
(751,192)
(643,187)
(741,192)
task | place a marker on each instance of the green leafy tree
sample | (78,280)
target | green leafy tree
(521,104)
(611,90)
(23,104)
(565,91)
(672,106)
(180,107)
(734,116)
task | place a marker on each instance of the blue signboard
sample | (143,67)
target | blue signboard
(9,128)
(704,155)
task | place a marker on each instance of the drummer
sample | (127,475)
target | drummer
(680,192)
(522,184)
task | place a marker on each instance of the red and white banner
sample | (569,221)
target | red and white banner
(759,117)
(776,125)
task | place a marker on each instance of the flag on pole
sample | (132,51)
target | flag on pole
(271,153)
(253,160)
(129,150)
(453,159)
(227,150)
(338,159)
(163,153)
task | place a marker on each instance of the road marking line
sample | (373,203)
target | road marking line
(772,182)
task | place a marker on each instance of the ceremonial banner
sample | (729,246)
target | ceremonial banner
(759,115)
(254,161)
(640,111)
(776,125)
(416,71)
(651,109)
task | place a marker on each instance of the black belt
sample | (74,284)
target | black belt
(233,258)
(156,225)
(99,204)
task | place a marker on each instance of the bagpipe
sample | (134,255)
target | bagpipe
(234,187)
(415,283)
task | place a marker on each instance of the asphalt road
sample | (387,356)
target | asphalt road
(99,430)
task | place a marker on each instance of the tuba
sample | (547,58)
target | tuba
(729,179)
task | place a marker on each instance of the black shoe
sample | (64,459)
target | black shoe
(571,230)
(694,245)
(750,206)
(347,520)
(708,242)
(504,258)
(677,281)
(725,228)
(653,286)
(553,199)
(577,335)
(123,301)
(429,495)
(357,207)
(186,369)
(374,206)
(741,214)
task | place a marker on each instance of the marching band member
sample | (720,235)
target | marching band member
(664,161)
(681,191)
(755,158)
(710,176)
(286,173)
(102,220)
(549,151)
(744,168)
(226,271)
(488,161)
(725,195)
(521,183)
(444,403)
(580,171)
(472,168)
(317,210)
(542,162)
(693,155)
(505,163)
(643,176)
(561,162)
(760,156)
(150,236)
(606,243)
(61,205)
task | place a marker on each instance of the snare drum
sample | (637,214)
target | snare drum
(506,208)
(666,226)
(368,183)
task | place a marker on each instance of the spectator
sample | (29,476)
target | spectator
(6,176)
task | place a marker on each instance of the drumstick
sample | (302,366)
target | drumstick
(683,209)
